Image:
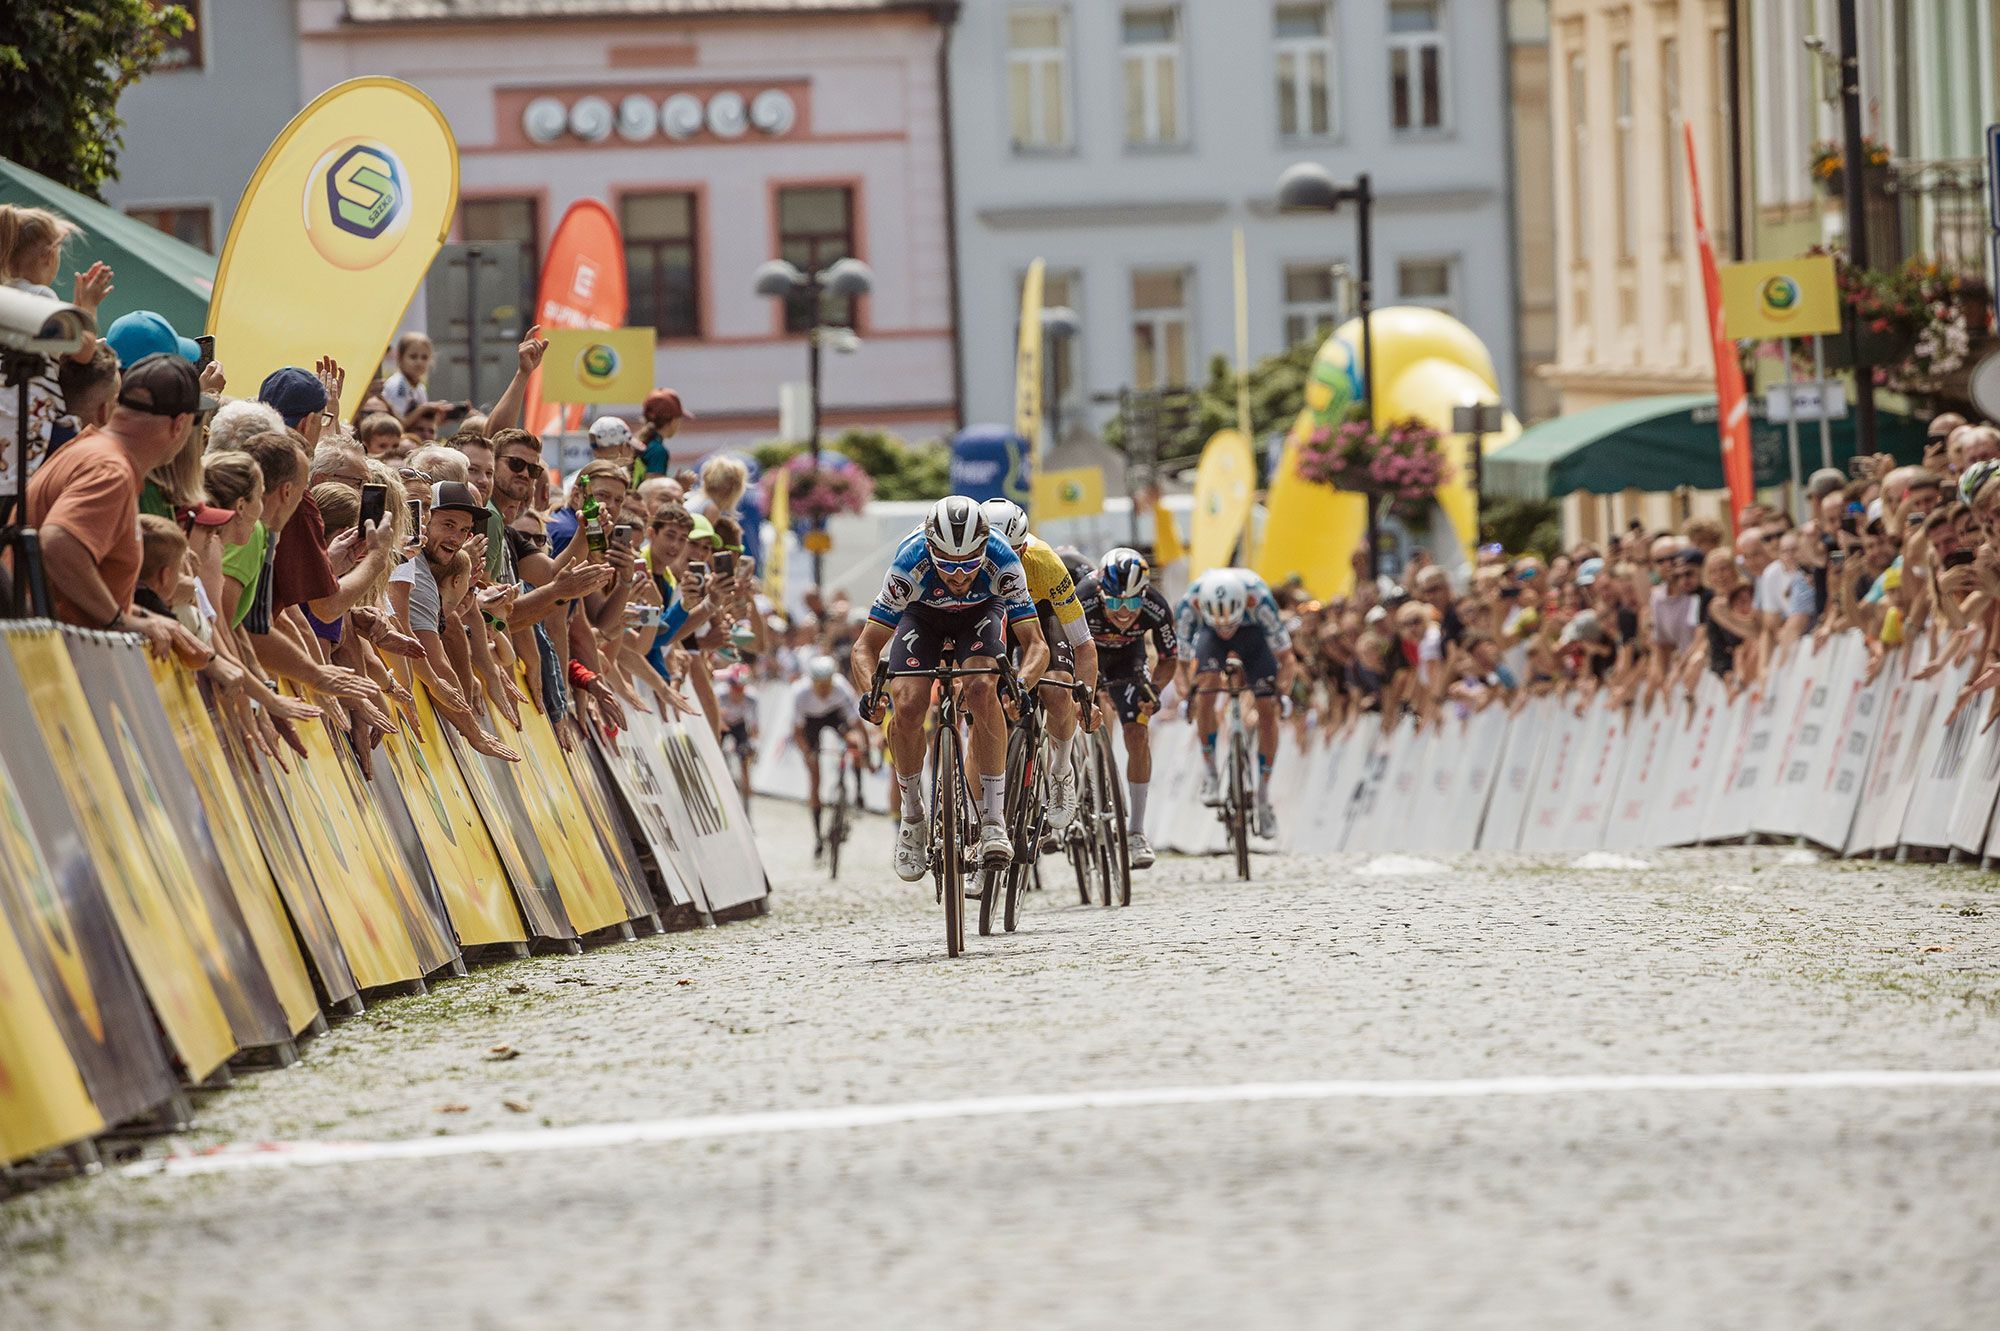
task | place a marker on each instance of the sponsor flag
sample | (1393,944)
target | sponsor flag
(1028,363)
(1074,492)
(1167,545)
(1223,482)
(598,365)
(1732,401)
(333,236)
(583,286)
(781,536)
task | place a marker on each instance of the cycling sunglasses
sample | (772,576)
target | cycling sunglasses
(956,566)
(1124,602)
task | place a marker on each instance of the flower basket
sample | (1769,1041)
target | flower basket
(1402,462)
(819,492)
(1829,166)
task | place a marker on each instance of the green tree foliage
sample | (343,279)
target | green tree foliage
(1524,526)
(63,67)
(1277,394)
(900,470)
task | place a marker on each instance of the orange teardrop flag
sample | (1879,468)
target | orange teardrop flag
(582,286)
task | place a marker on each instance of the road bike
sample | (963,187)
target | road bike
(844,805)
(1027,809)
(1101,816)
(1239,784)
(954,816)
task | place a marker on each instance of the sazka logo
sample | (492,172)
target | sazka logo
(357,204)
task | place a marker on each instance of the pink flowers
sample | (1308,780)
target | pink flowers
(818,493)
(1402,461)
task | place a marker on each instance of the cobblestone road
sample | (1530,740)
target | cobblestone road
(1821,1208)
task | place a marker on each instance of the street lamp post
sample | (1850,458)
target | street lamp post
(1059,325)
(1307,187)
(781,280)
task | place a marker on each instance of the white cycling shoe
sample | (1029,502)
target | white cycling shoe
(996,851)
(912,850)
(1062,800)
(1138,850)
(1211,787)
(1267,820)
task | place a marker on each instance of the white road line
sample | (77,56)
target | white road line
(293,1155)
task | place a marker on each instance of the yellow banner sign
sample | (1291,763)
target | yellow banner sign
(1780,298)
(606,365)
(1073,492)
(1223,482)
(1028,363)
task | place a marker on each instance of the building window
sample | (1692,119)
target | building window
(1063,287)
(1621,158)
(663,262)
(1426,282)
(1304,65)
(1038,77)
(1159,329)
(193,224)
(1152,76)
(1577,95)
(184,51)
(1312,307)
(1416,64)
(815,227)
(1675,181)
(491,223)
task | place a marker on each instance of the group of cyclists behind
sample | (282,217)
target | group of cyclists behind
(974,591)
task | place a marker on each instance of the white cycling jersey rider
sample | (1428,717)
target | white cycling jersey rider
(1231,612)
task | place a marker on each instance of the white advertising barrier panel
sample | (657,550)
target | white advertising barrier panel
(1876,822)
(1978,786)
(1940,763)
(1648,735)
(1479,770)
(1173,806)
(725,844)
(1514,782)
(1601,760)
(1289,777)
(1738,718)
(1402,820)
(1683,789)
(1350,763)
(1754,777)
(1828,811)
(1369,789)
(779,770)
(1548,805)
(1810,738)
(655,803)
(1310,831)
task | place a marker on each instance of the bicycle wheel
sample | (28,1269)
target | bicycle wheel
(1021,825)
(1111,795)
(949,801)
(1239,802)
(836,830)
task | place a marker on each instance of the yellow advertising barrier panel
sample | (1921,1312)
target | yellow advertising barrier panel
(498,798)
(344,215)
(429,930)
(589,894)
(155,935)
(1780,298)
(229,827)
(468,870)
(599,364)
(43,1103)
(1223,484)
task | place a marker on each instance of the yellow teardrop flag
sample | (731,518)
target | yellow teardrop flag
(1167,545)
(335,232)
(1223,482)
(781,534)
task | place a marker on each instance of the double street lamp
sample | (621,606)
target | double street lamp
(844,278)
(1307,187)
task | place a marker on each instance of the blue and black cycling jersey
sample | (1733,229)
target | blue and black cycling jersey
(912,583)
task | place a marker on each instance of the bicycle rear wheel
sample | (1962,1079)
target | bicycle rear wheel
(1022,826)
(1239,802)
(948,796)
(836,831)
(1111,800)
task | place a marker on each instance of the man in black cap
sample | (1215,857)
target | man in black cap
(85,501)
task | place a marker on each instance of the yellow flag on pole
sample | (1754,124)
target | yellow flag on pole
(1223,482)
(1167,545)
(1028,363)
(781,535)
(337,227)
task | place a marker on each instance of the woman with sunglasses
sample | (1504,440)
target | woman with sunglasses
(1123,609)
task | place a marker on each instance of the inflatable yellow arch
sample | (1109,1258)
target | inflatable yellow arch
(1426,363)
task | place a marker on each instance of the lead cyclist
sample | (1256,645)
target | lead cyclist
(1231,612)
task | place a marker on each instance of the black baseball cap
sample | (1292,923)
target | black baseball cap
(163,385)
(457,497)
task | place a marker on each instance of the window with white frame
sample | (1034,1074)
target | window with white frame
(1427,280)
(1038,77)
(1312,302)
(1159,328)
(1622,164)
(1152,53)
(1416,64)
(1576,96)
(1673,171)
(1304,54)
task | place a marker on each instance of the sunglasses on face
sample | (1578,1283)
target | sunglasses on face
(518,465)
(412,474)
(1124,602)
(958,567)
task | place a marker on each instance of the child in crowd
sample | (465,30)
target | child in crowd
(163,550)
(404,390)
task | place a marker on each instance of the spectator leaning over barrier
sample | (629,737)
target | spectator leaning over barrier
(85,501)
(417,591)
(31,245)
(89,391)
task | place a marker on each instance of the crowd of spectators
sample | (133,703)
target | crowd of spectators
(310,563)
(1891,551)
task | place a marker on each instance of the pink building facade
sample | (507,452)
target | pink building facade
(800,130)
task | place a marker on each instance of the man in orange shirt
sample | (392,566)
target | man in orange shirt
(84,500)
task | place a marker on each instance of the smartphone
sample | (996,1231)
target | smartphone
(621,535)
(374,503)
(1960,558)
(416,517)
(697,573)
(725,563)
(747,566)
(207,357)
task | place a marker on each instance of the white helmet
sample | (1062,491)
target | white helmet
(609,432)
(1007,520)
(956,528)
(1221,600)
(821,668)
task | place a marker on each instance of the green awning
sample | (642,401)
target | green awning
(152,270)
(1665,443)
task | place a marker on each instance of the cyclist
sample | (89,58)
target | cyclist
(1230,612)
(823,701)
(1123,609)
(1072,654)
(737,707)
(951,593)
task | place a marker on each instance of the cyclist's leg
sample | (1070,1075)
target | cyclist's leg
(806,737)
(917,645)
(981,641)
(1059,722)
(1210,650)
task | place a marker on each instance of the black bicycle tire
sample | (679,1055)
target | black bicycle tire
(1239,818)
(949,804)
(1020,824)
(836,834)
(1111,783)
